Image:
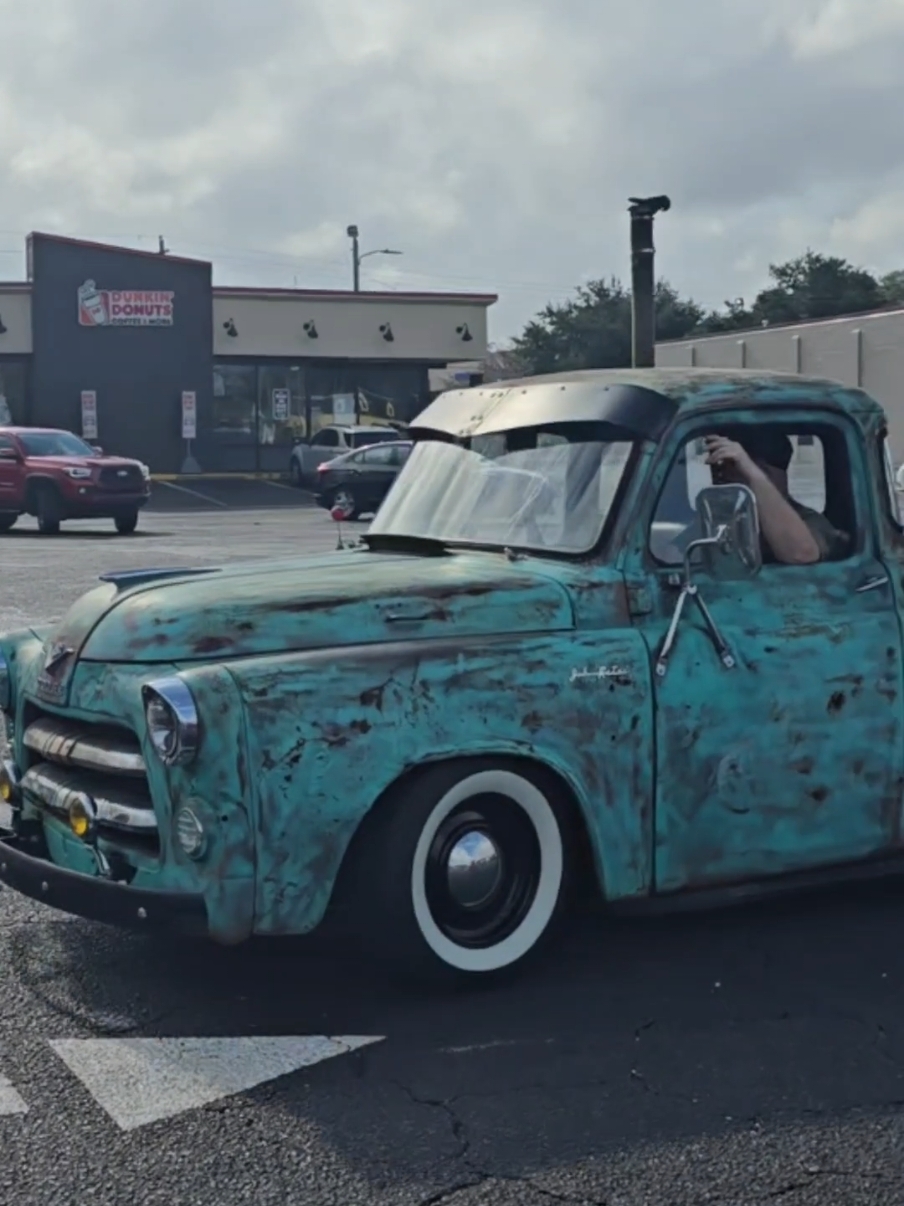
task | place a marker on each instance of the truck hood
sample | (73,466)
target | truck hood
(83,462)
(343,598)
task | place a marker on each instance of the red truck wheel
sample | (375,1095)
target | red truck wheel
(47,509)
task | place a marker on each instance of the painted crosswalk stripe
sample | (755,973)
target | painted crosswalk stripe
(10,1101)
(142,1080)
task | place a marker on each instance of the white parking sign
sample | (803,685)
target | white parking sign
(281,399)
(189,415)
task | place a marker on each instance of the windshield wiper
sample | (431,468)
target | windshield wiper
(429,546)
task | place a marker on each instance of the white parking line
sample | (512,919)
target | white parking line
(10,1101)
(194,493)
(142,1080)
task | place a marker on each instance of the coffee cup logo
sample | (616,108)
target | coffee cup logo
(92,306)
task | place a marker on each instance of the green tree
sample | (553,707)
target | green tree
(816,286)
(735,317)
(892,288)
(593,329)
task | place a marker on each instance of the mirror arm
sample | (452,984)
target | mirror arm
(722,647)
(699,544)
(689,590)
(671,635)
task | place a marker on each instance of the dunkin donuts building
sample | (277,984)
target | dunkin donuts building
(141,353)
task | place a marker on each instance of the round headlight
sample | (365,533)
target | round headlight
(6,686)
(172,720)
(190,833)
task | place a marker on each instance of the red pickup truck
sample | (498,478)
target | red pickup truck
(54,475)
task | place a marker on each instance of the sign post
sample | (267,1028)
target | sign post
(89,414)
(189,429)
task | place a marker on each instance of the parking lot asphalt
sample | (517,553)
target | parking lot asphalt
(751,1056)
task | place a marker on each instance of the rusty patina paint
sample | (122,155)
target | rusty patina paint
(793,758)
(328,733)
(321,681)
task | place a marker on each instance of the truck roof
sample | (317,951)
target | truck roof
(641,401)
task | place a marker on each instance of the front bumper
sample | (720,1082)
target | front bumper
(102,504)
(99,899)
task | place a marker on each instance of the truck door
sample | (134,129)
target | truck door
(792,758)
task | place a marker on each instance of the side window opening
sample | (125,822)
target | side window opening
(819,481)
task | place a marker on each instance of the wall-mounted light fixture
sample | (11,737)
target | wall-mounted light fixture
(3,329)
(310,329)
(464,333)
(386,332)
(230,328)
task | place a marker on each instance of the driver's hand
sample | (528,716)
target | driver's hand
(720,451)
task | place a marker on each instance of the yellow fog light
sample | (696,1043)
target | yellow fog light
(8,782)
(81,817)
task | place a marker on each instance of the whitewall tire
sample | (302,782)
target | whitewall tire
(463,871)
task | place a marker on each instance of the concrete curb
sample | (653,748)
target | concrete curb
(219,477)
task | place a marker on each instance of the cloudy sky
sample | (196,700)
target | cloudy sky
(494,143)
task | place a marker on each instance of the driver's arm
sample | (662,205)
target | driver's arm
(786,533)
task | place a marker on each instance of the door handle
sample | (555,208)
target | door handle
(872,584)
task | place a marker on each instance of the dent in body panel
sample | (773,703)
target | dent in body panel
(321,758)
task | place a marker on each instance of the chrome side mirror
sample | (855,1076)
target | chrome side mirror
(730,524)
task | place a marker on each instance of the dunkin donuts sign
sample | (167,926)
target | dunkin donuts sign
(124,307)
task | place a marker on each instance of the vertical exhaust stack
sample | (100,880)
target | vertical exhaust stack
(643,278)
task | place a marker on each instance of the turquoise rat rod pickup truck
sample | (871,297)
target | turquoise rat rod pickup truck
(561,656)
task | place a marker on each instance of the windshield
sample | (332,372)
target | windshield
(553,497)
(55,443)
(362,438)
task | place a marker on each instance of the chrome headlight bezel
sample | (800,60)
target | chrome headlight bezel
(172,721)
(6,685)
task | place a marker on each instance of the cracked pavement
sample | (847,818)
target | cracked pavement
(753,1056)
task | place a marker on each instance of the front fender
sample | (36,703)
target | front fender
(330,732)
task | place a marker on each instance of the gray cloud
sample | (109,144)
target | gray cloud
(495,146)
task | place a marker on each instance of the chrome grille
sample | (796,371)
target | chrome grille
(69,760)
(70,743)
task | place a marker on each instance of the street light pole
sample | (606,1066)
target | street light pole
(357,257)
(643,278)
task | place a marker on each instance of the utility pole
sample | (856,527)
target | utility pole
(357,257)
(643,278)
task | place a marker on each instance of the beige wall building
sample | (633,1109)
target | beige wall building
(138,332)
(864,351)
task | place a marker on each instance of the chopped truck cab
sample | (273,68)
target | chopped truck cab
(523,679)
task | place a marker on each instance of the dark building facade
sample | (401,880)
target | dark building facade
(127,347)
(134,330)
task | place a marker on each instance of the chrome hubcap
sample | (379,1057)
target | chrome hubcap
(473,870)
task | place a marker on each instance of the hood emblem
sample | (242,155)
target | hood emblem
(50,685)
(56,654)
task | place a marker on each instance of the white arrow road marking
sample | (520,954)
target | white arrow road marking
(142,1080)
(10,1101)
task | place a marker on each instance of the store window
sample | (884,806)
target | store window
(280,405)
(234,417)
(13,384)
